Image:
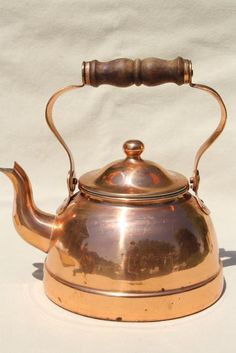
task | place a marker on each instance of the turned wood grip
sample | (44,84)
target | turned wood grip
(126,72)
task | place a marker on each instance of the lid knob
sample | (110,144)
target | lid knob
(133,148)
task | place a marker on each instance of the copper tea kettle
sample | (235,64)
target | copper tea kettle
(133,243)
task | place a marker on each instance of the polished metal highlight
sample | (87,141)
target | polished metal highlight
(133,243)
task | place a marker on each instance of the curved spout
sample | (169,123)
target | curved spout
(34,225)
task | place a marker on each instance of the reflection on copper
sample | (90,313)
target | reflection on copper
(133,243)
(122,225)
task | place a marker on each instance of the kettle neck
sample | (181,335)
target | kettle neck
(34,226)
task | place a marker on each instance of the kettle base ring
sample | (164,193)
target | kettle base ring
(134,309)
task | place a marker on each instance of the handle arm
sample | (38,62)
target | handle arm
(195,179)
(71,179)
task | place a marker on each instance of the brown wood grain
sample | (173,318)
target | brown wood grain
(126,72)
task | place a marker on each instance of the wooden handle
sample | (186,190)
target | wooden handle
(126,72)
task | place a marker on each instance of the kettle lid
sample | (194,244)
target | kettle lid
(133,177)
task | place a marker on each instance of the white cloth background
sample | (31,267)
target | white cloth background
(43,44)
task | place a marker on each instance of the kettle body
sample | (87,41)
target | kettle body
(133,262)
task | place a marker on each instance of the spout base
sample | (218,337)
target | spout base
(134,309)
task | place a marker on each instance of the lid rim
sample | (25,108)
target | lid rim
(140,197)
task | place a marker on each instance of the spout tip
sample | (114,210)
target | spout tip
(5,170)
(8,171)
